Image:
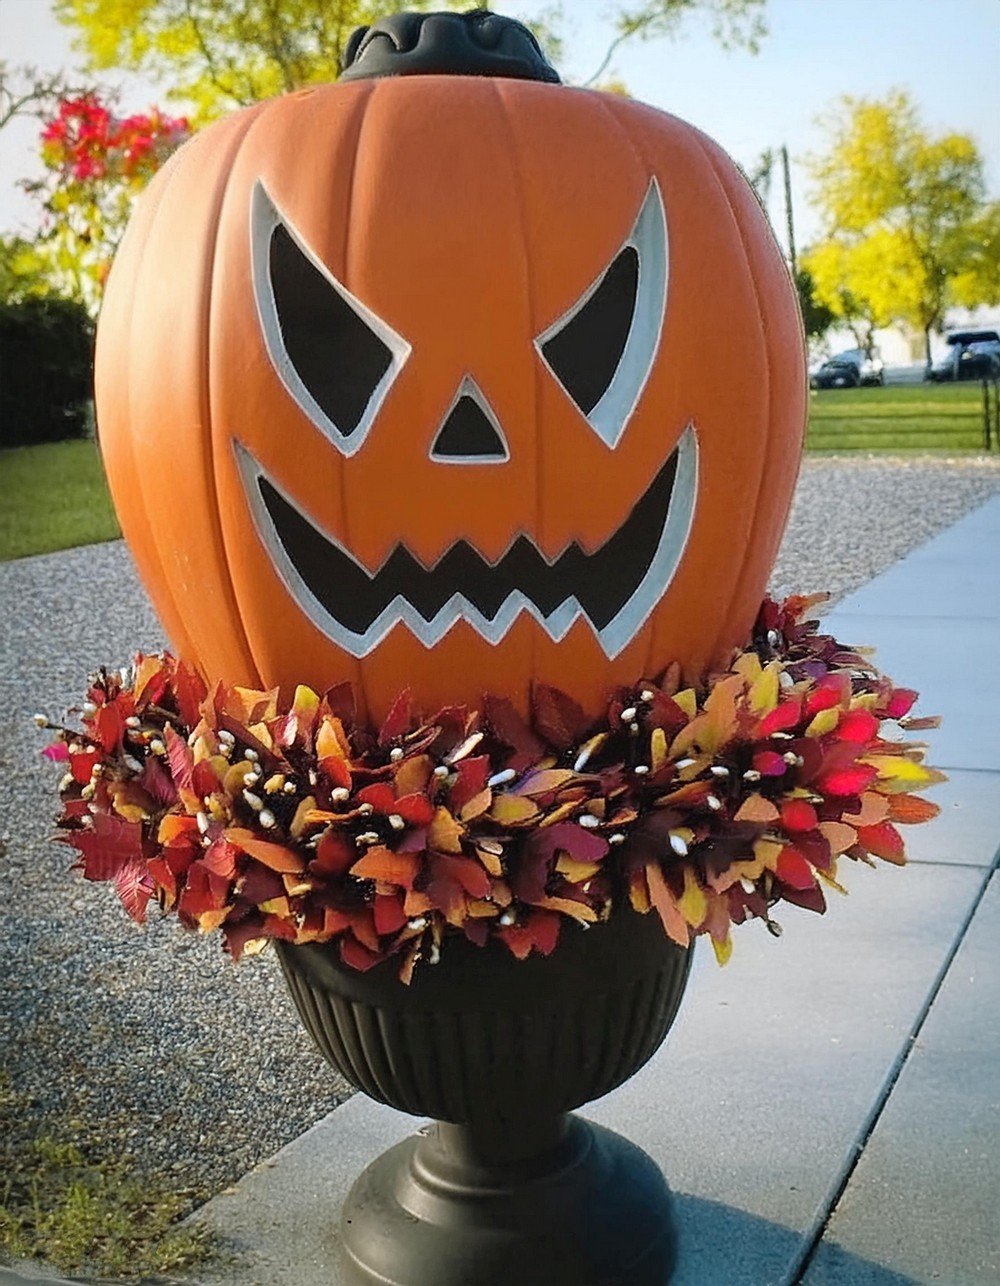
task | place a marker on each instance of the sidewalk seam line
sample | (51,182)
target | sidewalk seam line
(814,1234)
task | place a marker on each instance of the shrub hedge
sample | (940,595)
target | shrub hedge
(46,371)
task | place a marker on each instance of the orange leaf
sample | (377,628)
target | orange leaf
(445,833)
(276,856)
(174,825)
(755,808)
(381,863)
(513,810)
(910,809)
(839,836)
(663,900)
(567,906)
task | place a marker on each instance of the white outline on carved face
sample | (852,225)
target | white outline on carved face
(611,415)
(470,389)
(615,636)
(264,218)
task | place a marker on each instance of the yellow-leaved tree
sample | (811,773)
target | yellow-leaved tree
(903,218)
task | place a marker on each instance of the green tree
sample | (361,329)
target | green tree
(221,54)
(900,209)
(817,317)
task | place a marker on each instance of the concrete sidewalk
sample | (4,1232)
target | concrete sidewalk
(826,1107)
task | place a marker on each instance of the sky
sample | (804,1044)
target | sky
(945,52)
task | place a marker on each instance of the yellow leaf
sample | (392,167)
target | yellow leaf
(331,741)
(540,783)
(476,806)
(232,782)
(300,820)
(209,920)
(480,910)
(513,810)
(576,872)
(767,852)
(445,833)
(724,949)
(692,904)
(567,906)
(277,906)
(688,701)
(906,772)
(305,703)
(638,892)
(748,665)
(413,775)
(263,734)
(491,861)
(824,722)
(658,749)
(829,878)
(764,692)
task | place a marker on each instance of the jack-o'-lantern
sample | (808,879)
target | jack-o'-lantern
(451,382)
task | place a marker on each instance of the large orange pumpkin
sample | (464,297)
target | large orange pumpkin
(451,383)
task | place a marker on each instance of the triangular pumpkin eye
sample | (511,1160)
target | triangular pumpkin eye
(602,350)
(334,356)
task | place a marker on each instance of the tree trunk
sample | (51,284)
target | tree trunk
(927,343)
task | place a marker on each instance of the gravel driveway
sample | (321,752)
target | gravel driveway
(198,1068)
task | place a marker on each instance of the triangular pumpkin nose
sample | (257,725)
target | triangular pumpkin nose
(471,433)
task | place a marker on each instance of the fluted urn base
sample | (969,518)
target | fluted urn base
(571,1204)
(505,1186)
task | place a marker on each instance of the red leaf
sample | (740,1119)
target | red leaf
(355,956)
(109,845)
(785,715)
(189,692)
(389,914)
(381,796)
(415,810)
(340,702)
(792,869)
(180,758)
(769,763)
(811,899)
(135,888)
(798,815)
(846,781)
(508,726)
(539,932)
(221,857)
(82,765)
(204,779)
(203,891)
(276,926)
(237,935)
(260,884)
(859,726)
(156,782)
(477,931)
(335,855)
(471,779)
(470,875)
(560,720)
(883,841)
(397,721)
(109,726)
(900,703)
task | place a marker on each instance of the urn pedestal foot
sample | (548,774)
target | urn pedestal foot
(564,1203)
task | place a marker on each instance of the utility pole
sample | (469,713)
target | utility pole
(789,219)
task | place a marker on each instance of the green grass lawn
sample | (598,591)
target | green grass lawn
(901,417)
(53,496)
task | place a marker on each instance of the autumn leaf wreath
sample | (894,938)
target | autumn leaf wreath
(707,804)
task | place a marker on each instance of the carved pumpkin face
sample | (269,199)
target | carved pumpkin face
(451,383)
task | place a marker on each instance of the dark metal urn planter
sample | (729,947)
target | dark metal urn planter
(507,1186)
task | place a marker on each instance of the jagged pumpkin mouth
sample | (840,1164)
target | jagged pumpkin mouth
(613,588)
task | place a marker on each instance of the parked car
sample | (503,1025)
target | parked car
(849,369)
(972,355)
